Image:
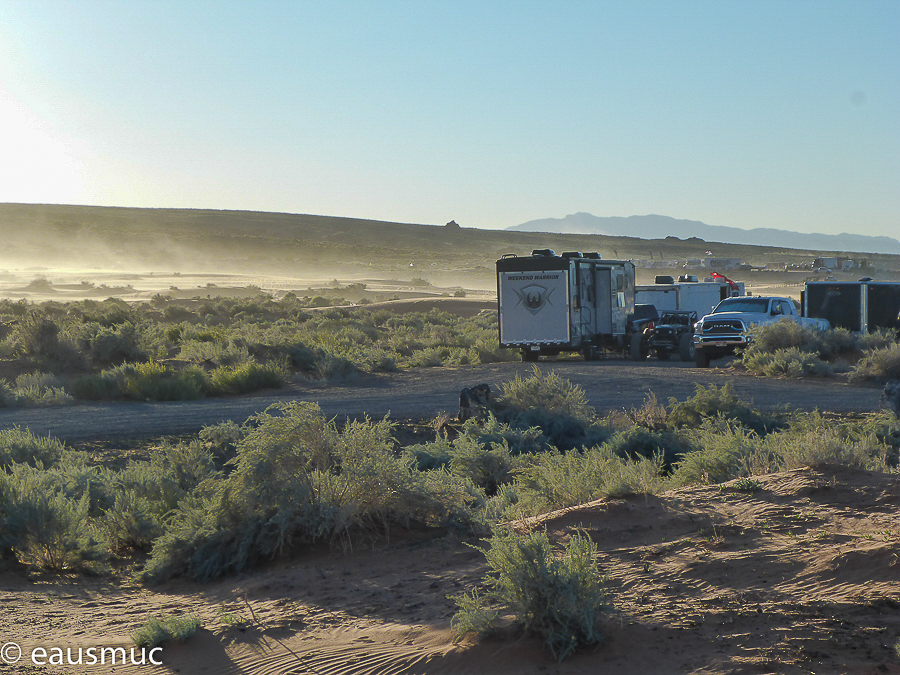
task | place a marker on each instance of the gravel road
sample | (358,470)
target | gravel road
(423,393)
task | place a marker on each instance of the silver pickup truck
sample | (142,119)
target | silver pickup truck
(726,329)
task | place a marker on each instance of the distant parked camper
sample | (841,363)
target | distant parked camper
(571,302)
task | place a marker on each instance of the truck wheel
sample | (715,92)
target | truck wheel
(663,354)
(686,347)
(638,352)
(701,358)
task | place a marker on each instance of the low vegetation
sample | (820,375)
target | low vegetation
(166,351)
(159,631)
(784,348)
(236,495)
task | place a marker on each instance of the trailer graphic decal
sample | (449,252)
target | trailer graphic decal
(534,297)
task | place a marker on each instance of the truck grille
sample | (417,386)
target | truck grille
(723,328)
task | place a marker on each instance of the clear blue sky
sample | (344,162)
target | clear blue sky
(744,113)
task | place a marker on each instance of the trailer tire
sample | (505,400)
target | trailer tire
(529,356)
(638,351)
(701,359)
(686,347)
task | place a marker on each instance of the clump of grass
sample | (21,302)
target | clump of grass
(245,378)
(558,598)
(158,631)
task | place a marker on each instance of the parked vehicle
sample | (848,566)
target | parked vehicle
(861,306)
(672,334)
(697,296)
(572,302)
(724,330)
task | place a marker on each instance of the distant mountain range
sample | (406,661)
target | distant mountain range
(660,227)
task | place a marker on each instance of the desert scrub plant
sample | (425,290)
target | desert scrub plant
(555,405)
(43,526)
(19,445)
(790,362)
(245,378)
(150,381)
(158,631)
(827,446)
(37,389)
(723,451)
(297,478)
(556,480)
(487,466)
(144,493)
(878,365)
(716,401)
(558,598)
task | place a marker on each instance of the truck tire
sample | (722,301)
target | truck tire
(638,352)
(686,347)
(701,359)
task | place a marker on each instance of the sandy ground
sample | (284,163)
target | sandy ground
(801,576)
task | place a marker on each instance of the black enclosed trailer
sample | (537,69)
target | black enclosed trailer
(860,306)
(571,302)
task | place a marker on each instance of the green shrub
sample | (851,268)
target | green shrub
(158,631)
(560,599)
(878,365)
(556,480)
(19,445)
(245,378)
(150,381)
(43,526)
(790,362)
(724,451)
(296,479)
(826,446)
(488,467)
(717,402)
(553,404)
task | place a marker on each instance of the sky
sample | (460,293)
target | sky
(741,113)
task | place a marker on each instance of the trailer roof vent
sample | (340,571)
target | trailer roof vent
(572,254)
(689,278)
(545,252)
(593,255)
(665,280)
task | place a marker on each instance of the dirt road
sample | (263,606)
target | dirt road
(423,393)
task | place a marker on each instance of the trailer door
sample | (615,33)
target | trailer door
(604,304)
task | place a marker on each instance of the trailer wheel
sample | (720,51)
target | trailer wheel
(590,353)
(701,359)
(686,347)
(638,351)
(529,356)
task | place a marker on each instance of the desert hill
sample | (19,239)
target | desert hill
(655,226)
(239,241)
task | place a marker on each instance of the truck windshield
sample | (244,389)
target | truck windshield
(756,305)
